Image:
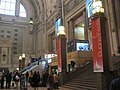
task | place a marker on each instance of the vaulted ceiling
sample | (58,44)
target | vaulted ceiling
(45,7)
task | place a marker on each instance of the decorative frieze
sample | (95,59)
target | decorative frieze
(67,8)
(51,23)
(71,5)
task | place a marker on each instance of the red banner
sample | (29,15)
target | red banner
(97,45)
(59,55)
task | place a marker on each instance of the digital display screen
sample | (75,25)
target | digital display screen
(82,46)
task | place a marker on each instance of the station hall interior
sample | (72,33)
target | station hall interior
(80,39)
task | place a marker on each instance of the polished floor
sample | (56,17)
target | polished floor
(40,88)
(30,88)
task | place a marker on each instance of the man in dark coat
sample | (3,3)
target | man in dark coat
(2,81)
(8,79)
(115,84)
(35,81)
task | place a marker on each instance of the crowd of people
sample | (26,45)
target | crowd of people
(7,79)
(34,79)
(51,81)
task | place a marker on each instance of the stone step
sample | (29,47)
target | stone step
(80,88)
(81,83)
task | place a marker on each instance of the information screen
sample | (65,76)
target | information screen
(82,46)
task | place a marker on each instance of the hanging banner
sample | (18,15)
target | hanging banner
(59,55)
(89,7)
(97,45)
(57,25)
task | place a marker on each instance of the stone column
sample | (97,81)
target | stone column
(62,61)
(17,7)
(101,51)
(9,57)
(116,5)
(71,30)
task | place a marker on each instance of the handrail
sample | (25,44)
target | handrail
(79,70)
(32,64)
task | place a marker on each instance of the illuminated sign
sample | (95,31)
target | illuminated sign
(49,57)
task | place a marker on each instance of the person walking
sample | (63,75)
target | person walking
(35,81)
(50,81)
(30,77)
(2,80)
(17,79)
(56,80)
(27,76)
(38,78)
(115,84)
(8,77)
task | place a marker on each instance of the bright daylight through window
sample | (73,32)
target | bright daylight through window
(8,7)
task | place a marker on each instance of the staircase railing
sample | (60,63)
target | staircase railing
(28,67)
(87,67)
(33,65)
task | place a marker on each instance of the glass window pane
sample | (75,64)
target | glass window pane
(2,11)
(2,6)
(23,14)
(12,13)
(12,7)
(6,12)
(7,7)
(12,1)
(22,11)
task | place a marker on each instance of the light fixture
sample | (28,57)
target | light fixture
(97,7)
(23,55)
(61,30)
(20,57)
(31,21)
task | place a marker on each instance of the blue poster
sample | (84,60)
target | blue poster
(89,7)
(58,23)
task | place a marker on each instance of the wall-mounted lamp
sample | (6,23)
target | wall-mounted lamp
(31,21)
(97,7)
(61,30)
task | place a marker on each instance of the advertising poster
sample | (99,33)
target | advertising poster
(57,24)
(59,55)
(89,8)
(97,45)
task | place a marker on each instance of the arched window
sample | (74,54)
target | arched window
(22,11)
(8,7)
